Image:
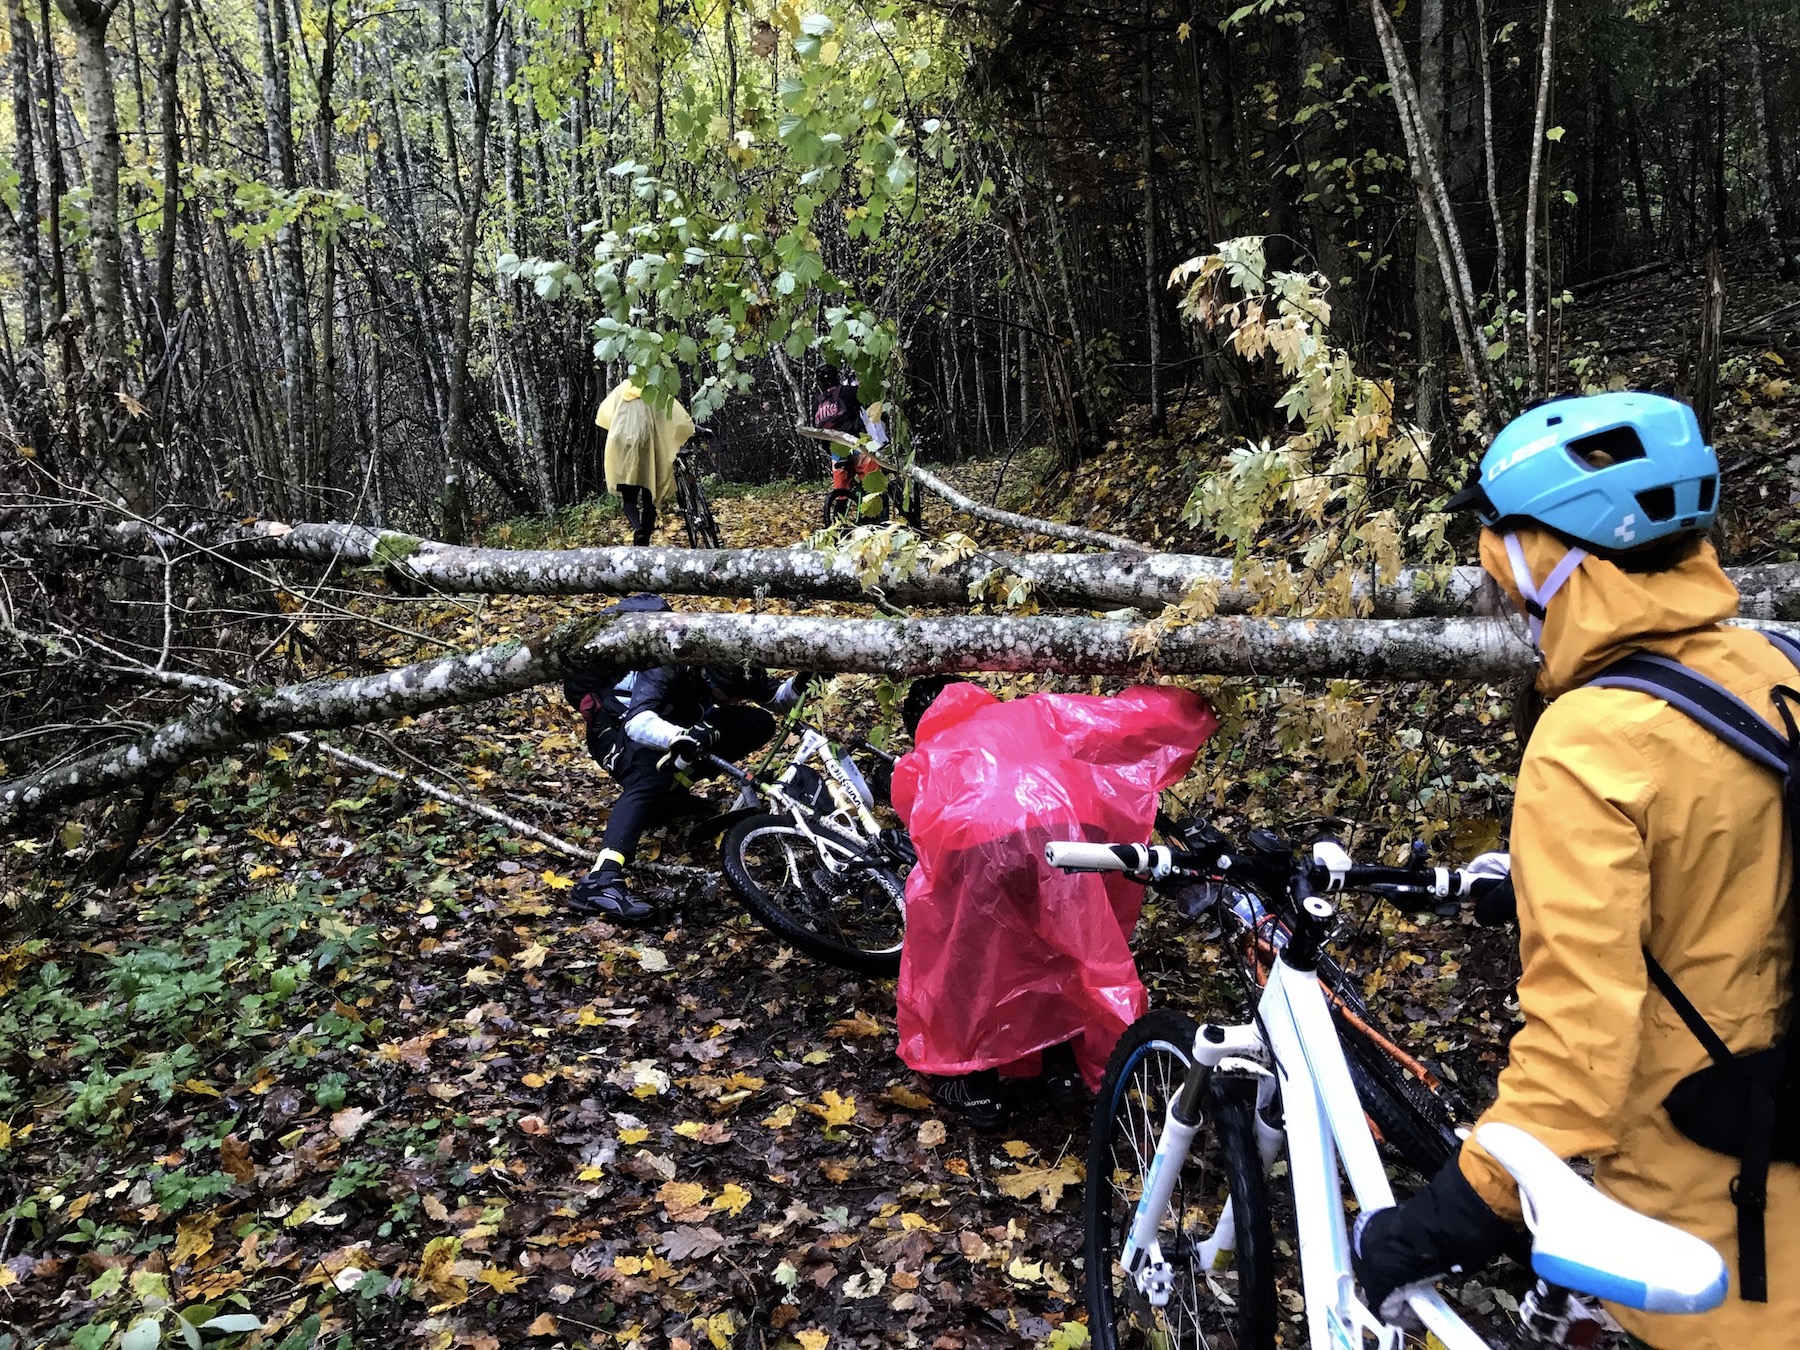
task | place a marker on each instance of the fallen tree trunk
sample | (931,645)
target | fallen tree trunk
(1405,649)
(1114,580)
(1012,520)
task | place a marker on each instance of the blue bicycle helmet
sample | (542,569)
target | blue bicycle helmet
(1611,471)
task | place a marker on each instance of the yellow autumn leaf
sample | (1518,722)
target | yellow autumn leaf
(732,1199)
(532,957)
(1016,1148)
(835,1110)
(534,1080)
(263,871)
(543,1325)
(690,1129)
(502,1281)
(1047,1183)
(813,1339)
(437,1274)
(679,1195)
(630,1265)
(193,1237)
(591,1172)
(633,1136)
(781,1117)
(720,1328)
(556,881)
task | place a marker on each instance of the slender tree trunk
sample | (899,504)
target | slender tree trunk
(1765,155)
(289,273)
(1428,273)
(89,20)
(328,280)
(59,288)
(454,507)
(31,283)
(1147,166)
(1640,181)
(1712,326)
(168,99)
(1502,263)
(1540,124)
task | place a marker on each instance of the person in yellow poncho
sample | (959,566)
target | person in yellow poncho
(1637,834)
(641,443)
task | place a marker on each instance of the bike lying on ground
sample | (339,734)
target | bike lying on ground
(807,854)
(1180,1244)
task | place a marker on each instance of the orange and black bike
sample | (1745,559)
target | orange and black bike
(1413,1111)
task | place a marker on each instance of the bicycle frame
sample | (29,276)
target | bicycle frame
(1324,1125)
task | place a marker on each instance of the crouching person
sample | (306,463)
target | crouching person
(650,730)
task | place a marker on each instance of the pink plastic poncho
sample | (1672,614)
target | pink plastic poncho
(1006,956)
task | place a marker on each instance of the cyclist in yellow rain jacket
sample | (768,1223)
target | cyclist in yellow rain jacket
(1634,828)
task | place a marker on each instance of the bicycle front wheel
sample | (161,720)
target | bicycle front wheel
(1219,1309)
(819,894)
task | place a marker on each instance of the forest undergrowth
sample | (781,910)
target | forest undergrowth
(334,1056)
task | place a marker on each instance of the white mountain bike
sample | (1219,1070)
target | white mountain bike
(1180,1242)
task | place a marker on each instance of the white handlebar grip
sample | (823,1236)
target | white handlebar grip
(1072,856)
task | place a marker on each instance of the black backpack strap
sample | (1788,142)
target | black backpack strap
(1750,1188)
(1740,726)
(1706,701)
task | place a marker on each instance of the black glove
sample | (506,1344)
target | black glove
(1498,906)
(1442,1228)
(689,748)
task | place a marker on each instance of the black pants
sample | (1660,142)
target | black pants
(645,790)
(640,512)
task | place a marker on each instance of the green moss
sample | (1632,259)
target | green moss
(392,548)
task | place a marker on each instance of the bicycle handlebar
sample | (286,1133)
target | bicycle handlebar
(1154,862)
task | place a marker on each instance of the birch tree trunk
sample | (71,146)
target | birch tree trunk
(1409,649)
(1539,125)
(454,521)
(30,254)
(168,102)
(1432,394)
(89,20)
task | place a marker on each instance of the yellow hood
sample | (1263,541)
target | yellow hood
(1602,612)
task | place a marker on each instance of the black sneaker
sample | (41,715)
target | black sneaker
(608,897)
(1063,1083)
(975,1098)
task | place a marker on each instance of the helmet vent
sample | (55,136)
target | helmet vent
(1615,445)
(1658,503)
(1708,487)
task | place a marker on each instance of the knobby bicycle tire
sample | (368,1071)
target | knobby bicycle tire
(696,512)
(1147,1067)
(1411,1120)
(806,909)
(1414,1124)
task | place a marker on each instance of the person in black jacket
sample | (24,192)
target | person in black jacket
(646,726)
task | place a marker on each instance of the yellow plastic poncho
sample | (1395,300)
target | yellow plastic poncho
(640,441)
(1635,826)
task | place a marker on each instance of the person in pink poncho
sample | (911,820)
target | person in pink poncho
(1012,968)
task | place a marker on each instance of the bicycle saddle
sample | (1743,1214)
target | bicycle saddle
(1585,1242)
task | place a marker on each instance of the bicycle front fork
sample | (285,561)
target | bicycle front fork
(1232,1050)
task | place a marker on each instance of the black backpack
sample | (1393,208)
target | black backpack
(587,692)
(1746,1106)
